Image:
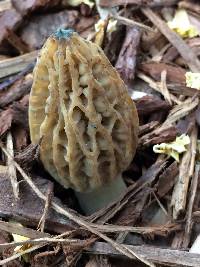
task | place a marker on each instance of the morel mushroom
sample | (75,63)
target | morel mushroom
(80,108)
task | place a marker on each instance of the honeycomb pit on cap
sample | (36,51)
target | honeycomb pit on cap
(88,123)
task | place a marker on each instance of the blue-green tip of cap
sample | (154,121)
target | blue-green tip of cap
(63,34)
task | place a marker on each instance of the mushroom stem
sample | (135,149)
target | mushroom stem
(102,196)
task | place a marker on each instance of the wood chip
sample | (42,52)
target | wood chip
(184,50)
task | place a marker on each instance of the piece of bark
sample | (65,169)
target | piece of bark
(178,89)
(107,213)
(21,137)
(132,211)
(98,261)
(11,80)
(16,42)
(28,208)
(16,64)
(16,91)
(126,61)
(167,179)
(184,50)
(84,24)
(186,125)
(148,127)
(178,112)
(161,256)
(154,138)
(9,19)
(189,221)
(27,157)
(172,52)
(191,5)
(180,192)
(149,104)
(25,7)
(113,3)
(17,114)
(175,74)
(40,27)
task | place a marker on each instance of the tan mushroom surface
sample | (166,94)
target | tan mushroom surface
(81,109)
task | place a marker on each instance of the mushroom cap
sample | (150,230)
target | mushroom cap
(81,109)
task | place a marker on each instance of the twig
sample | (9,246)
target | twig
(185,51)
(89,226)
(131,22)
(163,85)
(193,190)
(180,192)
(46,207)
(12,174)
(13,228)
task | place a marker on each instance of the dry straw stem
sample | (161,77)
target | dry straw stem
(12,174)
(89,226)
(186,169)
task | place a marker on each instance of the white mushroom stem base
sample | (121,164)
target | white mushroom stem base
(102,196)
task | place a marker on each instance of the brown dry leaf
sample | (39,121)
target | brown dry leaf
(40,27)
(175,74)
(126,61)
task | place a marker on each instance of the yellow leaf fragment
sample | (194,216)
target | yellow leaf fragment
(112,25)
(20,238)
(192,80)
(181,24)
(174,148)
(78,2)
(100,29)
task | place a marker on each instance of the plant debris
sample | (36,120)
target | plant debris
(155,47)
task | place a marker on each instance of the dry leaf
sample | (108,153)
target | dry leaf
(174,148)
(193,80)
(182,25)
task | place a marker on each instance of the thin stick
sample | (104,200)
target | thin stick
(193,190)
(119,247)
(131,22)
(46,207)
(11,167)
